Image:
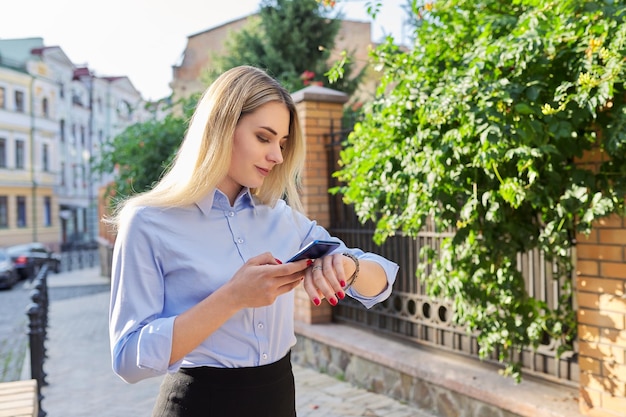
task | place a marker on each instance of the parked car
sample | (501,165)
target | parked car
(8,274)
(30,257)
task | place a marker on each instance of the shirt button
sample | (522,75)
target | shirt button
(260,325)
(264,356)
(240,240)
(231,213)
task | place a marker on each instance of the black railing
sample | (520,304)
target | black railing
(412,315)
(79,259)
(37,313)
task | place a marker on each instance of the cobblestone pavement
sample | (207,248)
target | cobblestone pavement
(13,330)
(14,304)
(81,382)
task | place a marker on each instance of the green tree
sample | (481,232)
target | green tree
(138,156)
(480,126)
(292,40)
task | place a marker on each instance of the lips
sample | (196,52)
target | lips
(263,171)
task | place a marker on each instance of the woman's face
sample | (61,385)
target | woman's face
(257,148)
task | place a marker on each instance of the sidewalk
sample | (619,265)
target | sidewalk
(81,382)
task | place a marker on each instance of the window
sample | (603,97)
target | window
(4,212)
(62,129)
(124,110)
(82,135)
(3,153)
(47,211)
(19,101)
(3,103)
(21,211)
(19,154)
(45,158)
(74,176)
(62,174)
(44,107)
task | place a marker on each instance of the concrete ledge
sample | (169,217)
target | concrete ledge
(436,381)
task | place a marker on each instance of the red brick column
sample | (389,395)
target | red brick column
(318,108)
(601,296)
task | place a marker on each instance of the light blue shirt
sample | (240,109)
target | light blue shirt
(167,260)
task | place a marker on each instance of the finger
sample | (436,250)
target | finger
(309,286)
(321,273)
(290,284)
(265,258)
(292,267)
(334,273)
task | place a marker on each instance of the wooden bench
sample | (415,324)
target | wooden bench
(19,398)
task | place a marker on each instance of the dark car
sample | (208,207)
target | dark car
(30,257)
(8,274)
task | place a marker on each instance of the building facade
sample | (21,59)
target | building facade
(55,117)
(353,36)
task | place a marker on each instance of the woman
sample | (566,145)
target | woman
(199,292)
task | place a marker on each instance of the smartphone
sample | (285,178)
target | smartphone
(314,250)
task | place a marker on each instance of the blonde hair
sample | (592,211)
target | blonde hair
(200,163)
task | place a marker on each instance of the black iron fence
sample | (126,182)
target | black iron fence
(412,315)
(37,312)
(79,259)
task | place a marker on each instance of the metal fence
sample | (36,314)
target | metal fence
(412,315)
(79,259)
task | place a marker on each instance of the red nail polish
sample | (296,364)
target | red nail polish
(341,295)
(309,262)
(316,301)
(342,283)
(333,301)
(278,260)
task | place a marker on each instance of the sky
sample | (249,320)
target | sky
(143,39)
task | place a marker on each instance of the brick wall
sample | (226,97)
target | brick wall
(318,108)
(601,298)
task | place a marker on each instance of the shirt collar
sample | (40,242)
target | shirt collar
(217,199)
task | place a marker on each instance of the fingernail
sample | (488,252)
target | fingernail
(316,301)
(309,262)
(340,294)
(278,260)
(333,301)
(342,283)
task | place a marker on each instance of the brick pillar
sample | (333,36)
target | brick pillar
(601,297)
(318,108)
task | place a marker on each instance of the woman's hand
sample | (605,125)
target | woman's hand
(327,277)
(263,278)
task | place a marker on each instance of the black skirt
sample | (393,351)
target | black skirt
(260,391)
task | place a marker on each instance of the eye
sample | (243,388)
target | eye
(262,139)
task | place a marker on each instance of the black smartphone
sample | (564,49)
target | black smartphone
(314,250)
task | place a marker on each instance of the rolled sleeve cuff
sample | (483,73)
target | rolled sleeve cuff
(155,346)
(391,270)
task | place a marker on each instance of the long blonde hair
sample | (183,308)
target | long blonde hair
(204,156)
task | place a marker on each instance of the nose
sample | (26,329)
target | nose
(276,154)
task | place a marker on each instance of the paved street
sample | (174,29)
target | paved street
(13,330)
(81,382)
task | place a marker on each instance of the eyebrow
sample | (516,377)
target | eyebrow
(269,129)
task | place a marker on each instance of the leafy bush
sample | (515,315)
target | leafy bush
(481,126)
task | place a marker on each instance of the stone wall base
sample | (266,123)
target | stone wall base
(442,383)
